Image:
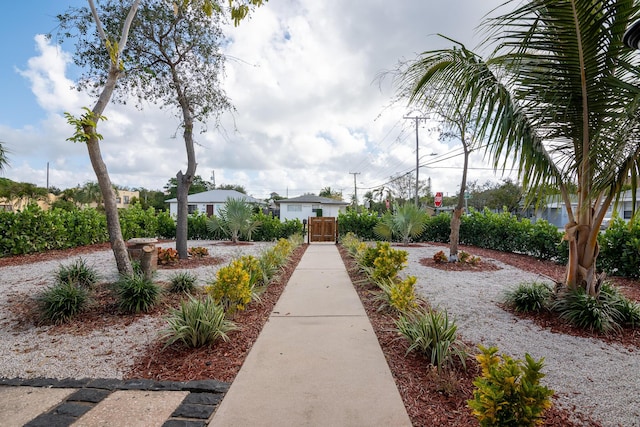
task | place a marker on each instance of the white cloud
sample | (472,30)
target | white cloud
(302,76)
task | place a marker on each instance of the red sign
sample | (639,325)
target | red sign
(437,200)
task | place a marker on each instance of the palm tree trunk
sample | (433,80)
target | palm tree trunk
(454,236)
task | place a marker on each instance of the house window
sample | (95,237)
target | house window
(118,200)
(192,209)
(126,200)
(294,208)
(627,214)
(315,208)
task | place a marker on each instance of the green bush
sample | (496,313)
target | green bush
(197,323)
(361,224)
(183,282)
(543,240)
(137,294)
(398,295)
(137,222)
(433,335)
(508,393)
(290,227)
(61,302)
(77,273)
(166,226)
(232,287)
(437,229)
(620,248)
(599,314)
(528,297)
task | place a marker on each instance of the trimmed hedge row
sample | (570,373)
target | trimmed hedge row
(35,230)
(619,244)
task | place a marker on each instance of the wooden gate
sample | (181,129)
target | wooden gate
(323,229)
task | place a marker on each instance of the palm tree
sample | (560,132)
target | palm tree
(408,221)
(4,160)
(559,96)
(234,220)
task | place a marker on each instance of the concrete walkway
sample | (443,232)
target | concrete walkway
(317,362)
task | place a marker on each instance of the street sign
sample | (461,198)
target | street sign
(437,200)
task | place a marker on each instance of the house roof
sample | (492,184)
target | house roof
(311,198)
(217,196)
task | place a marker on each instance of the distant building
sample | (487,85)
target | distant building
(210,202)
(309,205)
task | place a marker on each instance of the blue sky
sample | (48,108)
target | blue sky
(308,107)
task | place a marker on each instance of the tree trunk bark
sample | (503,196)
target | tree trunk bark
(183,214)
(583,253)
(454,237)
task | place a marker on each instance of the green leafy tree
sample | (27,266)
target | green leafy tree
(91,34)
(234,220)
(236,187)
(557,97)
(330,194)
(198,185)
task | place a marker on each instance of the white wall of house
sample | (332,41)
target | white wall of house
(196,207)
(305,210)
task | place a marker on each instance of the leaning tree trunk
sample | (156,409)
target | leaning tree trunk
(100,168)
(184,180)
(454,236)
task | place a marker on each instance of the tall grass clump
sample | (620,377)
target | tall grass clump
(528,297)
(183,282)
(137,293)
(77,273)
(61,302)
(197,323)
(433,335)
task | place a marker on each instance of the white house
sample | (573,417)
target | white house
(555,212)
(309,205)
(210,202)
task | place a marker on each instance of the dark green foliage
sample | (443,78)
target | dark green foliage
(166,226)
(271,228)
(137,293)
(61,302)
(197,228)
(197,323)
(183,282)
(620,248)
(361,224)
(599,314)
(543,240)
(528,297)
(438,228)
(77,273)
(137,222)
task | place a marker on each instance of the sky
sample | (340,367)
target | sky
(311,110)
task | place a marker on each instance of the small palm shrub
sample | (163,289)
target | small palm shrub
(78,273)
(183,282)
(508,392)
(198,252)
(61,302)
(600,314)
(197,323)
(528,297)
(432,334)
(232,287)
(629,310)
(137,293)
(398,295)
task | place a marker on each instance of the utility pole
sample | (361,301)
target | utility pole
(417,119)
(355,188)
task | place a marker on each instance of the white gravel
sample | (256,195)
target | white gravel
(29,351)
(589,376)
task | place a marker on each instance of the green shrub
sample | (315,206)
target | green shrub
(290,227)
(183,282)
(166,226)
(543,240)
(388,262)
(399,295)
(432,334)
(197,323)
(361,224)
(528,297)
(508,393)
(137,294)
(137,222)
(232,287)
(77,273)
(61,302)
(437,228)
(620,248)
(599,314)
(629,310)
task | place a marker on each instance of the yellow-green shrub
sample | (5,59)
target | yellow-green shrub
(232,287)
(388,262)
(508,393)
